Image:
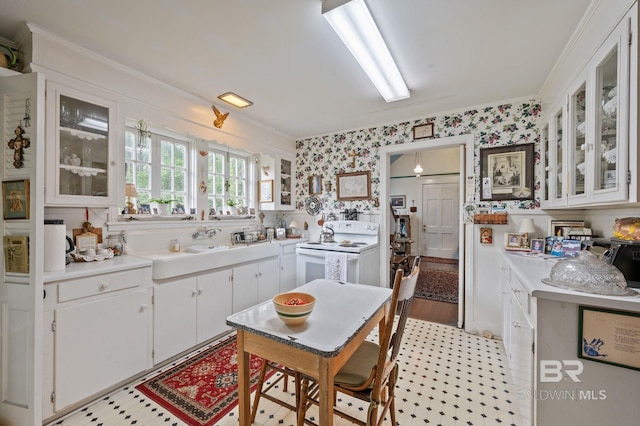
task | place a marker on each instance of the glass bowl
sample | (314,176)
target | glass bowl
(590,274)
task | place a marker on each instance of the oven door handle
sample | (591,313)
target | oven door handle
(321,253)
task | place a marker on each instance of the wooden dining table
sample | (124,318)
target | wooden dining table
(343,316)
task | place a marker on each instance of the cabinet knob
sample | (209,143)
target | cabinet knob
(517,324)
(194,293)
(104,285)
(199,291)
(516,291)
(257,275)
(143,307)
(113,163)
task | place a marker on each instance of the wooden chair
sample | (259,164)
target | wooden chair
(371,373)
(262,392)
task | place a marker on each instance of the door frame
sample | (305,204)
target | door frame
(467,183)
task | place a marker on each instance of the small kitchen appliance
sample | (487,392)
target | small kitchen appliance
(57,245)
(625,255)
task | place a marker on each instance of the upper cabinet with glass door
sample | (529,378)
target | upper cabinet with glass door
(276,183)
(81,160)
(553,140)
(597,145)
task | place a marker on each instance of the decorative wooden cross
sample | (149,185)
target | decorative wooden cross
(18,144)
(353,156)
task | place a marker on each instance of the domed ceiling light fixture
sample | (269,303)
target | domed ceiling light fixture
(355,26)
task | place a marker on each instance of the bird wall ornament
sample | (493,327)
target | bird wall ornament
(220,117)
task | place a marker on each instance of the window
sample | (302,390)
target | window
(228,179)
(158,166)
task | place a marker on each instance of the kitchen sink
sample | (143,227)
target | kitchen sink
(200,257)
(198,248)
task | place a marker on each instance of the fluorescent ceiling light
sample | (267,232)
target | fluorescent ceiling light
(354,25)
(235,100)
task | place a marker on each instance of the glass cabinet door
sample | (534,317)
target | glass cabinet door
(606,141)
(82,165)
(557,158)
(286,181)
(544,142)
(577,140)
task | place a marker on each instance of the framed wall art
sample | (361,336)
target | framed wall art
(315,185)
(398,201)
(506,173)
(265,194)
(423,131)
(15,199)
(353,186)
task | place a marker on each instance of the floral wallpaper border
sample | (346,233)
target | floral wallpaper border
(499,125)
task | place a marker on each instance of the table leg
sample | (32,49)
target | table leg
(244,387)
(325,381)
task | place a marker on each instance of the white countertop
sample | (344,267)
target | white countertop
(85,269)
(530,270)
(340,311)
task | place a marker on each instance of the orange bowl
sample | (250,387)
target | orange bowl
(293,308)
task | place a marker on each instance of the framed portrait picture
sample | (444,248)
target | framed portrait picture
(15,199)
(265,194)
(145,208)
(557,227)
(179,209)
(353,186)
(486,235)
(537,245)
(423,131)
(506,173)
(398,201)
(315,184)
(514,242)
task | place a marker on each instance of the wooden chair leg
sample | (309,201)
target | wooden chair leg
(302,401)
(256,398)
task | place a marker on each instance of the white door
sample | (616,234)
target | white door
(440,212)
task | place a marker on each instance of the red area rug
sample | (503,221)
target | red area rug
(204,388)
(437,284)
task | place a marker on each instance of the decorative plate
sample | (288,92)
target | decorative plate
(313,205)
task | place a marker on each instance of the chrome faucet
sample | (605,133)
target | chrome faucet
(205,232)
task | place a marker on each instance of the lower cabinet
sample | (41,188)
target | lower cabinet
(255,282)
(96,335)
(188,311)
(518,338)
(288,268)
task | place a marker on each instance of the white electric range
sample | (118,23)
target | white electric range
(358,241)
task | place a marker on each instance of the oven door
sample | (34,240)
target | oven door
(310,265)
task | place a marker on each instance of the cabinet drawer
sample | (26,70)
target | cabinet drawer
(99,284)
(288,249)
(521,295)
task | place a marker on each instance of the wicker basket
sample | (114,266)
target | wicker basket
(490,218)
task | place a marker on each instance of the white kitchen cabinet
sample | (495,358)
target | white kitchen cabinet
(255,282)
(593,161)
(214,304)
(287,268)
(518,339)
(81,152)
(189,311)
(97,334)
(280,170)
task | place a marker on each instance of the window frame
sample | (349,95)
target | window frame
(228,155)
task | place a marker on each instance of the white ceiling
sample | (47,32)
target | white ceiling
(283,55)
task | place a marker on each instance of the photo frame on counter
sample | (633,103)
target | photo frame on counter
(506,173)
(353,186)
(600,332)
(265,193)
(537,245)
(556,227)
(15,199)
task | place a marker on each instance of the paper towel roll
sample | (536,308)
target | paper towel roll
(55,247)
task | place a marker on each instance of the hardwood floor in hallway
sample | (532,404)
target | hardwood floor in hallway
(434,311)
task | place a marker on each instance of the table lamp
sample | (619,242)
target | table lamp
(293,228)
(527,227)
(130,191)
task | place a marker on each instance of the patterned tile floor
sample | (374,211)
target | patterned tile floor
(447,377)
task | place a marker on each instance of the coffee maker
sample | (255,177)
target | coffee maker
(625,255)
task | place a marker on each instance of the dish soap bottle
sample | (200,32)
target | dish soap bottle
(175,245)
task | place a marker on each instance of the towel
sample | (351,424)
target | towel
(335,266)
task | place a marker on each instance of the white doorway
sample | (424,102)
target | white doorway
(440,218)
(465,180)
